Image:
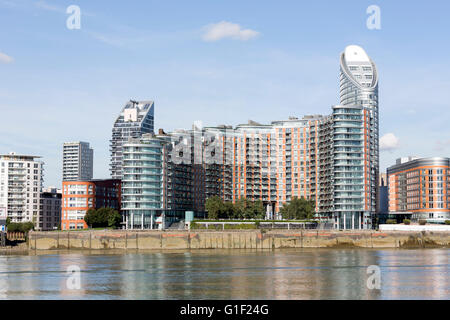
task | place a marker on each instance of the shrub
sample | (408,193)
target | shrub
(447,222)
(102,218)
(240,226)
(406,221)
(391,221)
(20,227)
(197,226)
(422,222)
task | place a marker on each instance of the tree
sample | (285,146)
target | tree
(114,219)
(258,210)
(228,210)
(298,209)
(20,226)
(214,205)
(91,218)
(102,218)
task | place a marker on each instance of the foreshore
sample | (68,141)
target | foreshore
(236,239)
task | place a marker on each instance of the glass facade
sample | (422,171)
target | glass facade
(135,120)
(143,182)
(355,142)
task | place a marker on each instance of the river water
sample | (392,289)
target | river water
(228,274)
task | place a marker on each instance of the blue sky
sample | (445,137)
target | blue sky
(280,59)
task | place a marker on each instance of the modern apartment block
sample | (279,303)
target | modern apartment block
(50,208)
(153,185)
(80,196)
(332,159)
(356,142)
(21,178)
(135,119)
(78,161)
(420,187)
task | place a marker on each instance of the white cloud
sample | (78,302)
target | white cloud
(389,142)
(4,58)
(224,29)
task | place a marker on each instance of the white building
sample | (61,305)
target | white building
(78,161)
(21,178)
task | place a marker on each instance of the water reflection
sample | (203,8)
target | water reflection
(228,274)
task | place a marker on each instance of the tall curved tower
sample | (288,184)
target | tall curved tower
(355,141)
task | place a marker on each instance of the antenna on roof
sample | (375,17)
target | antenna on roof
(134,102)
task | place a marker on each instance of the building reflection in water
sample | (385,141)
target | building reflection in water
(228,274)
(415,274)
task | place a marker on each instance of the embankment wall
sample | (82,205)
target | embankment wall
(242,239)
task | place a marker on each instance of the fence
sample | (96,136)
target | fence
(2,239)
(287,225)
(16,236)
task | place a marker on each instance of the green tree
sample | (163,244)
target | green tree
(20,226)
(228,210)
(114,219)
(258,210)
(91,218)
(102,218)
(214,206)
(298,209)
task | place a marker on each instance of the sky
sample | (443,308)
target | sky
(219,62)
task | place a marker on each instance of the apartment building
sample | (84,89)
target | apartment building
(80,196)
(332,159)
(135,119)
(21,178)
(78,161)
(154,185)
(50,209)
(420,187)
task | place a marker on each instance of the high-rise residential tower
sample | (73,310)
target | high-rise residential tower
(135,119)
(355,142)
(21,178)
(78,161)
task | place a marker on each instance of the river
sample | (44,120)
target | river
(227,274)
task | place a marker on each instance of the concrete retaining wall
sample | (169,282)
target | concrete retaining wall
(242,239)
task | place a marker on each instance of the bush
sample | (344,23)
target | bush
(447,222)
(391,221)
(197,226)
(422,222)
(102,218)
(20,227)
(407,221)
(240,226)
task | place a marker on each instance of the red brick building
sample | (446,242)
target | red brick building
(80,196)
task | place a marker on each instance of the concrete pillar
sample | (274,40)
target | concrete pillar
(353,220)
(345,221)
(151,220)
(142,221)
(132,221)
